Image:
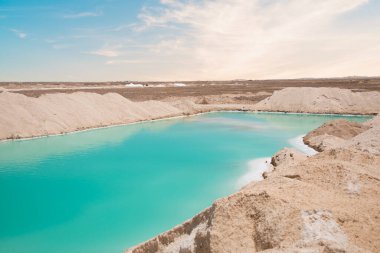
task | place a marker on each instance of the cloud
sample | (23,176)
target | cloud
(108,51)
(227,39)
(82,15)
(105,53)
(119,62)
(20,34)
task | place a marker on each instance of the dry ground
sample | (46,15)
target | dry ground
(192,89)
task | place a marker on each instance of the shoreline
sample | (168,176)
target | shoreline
(263,193)
(179,117)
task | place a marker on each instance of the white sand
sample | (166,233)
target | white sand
(321,100)
(22,116)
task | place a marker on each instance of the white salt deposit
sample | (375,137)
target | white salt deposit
(256,168)
(134,85)
(297,143)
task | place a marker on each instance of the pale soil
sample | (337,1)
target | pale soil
(321,100)
(325,203)
(24,116)
(333,133)
(199,89)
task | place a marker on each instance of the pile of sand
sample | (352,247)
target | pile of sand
(333,133)
(368,141)
(22,116)
(321,100)
(325,203)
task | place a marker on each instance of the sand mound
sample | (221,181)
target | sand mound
(340,128)
(366,141)
(22,116)
(321,100)
(333,133)
(325,203)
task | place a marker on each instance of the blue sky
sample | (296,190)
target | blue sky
(101,40)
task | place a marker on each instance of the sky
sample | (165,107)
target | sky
(166,40)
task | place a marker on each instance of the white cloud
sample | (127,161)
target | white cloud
(120,62)
(20,34)
(106,52)
(262,39)
(82,15)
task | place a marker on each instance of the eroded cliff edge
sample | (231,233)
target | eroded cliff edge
(325,203)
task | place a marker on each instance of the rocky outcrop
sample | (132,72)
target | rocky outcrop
(321,100)
(324,203)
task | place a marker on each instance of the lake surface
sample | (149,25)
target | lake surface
(107,189)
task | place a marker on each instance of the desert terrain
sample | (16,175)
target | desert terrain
(328,202)
(39,109)
(324,203)
(164,90)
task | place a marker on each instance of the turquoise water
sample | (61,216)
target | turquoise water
(107,189)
